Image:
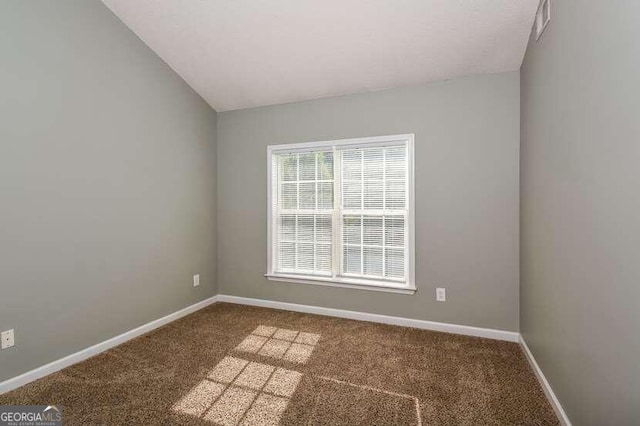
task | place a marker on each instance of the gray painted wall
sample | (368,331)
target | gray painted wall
(467,150)
(580,281)
(107,182)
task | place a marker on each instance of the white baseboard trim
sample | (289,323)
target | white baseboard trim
(546,387)
(510,336)
(74,358)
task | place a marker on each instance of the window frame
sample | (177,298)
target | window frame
(406,286)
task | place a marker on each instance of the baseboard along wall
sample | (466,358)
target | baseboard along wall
(75,358)
(546,387)
(79,356)
(488,333)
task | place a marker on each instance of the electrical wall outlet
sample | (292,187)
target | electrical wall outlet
(7,339)
(441,294)
(196,280)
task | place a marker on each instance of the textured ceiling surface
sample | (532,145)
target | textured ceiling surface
(246,53)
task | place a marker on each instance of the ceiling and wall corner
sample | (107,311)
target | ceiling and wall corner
(239,54)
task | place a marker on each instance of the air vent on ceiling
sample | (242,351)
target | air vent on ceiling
(543,16)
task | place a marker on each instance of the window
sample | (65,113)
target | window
(341,213)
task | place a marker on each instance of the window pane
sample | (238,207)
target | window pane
(372,231)
(323,228)
(352,195)
(289,164)
(352,257)
(307,195)
(289,196)
(305,256)
(394,231)
(394,263)
(325,165)
(352,164)
(287,227)
(307,163)
(373,168)
(325,195)
(323,258)
(287,256)
(373,195)
(351,228)
(395,195)
(305,227)
(372,261)
(396,163)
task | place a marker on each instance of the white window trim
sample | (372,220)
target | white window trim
(408,287)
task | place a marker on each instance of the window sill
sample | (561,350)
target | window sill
(341,283)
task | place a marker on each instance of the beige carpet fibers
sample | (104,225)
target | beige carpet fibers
(237,365)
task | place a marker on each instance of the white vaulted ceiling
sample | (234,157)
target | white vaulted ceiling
(246,53)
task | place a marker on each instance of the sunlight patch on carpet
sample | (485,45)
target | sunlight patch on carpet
(280,343)
(241,392)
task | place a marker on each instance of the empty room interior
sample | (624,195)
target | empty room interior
(319,212)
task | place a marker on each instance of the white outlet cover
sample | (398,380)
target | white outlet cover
(196,280)
(441,294)
(7,339)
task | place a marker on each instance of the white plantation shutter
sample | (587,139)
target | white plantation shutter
(342,211)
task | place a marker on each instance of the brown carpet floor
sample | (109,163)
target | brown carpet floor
(230,365)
